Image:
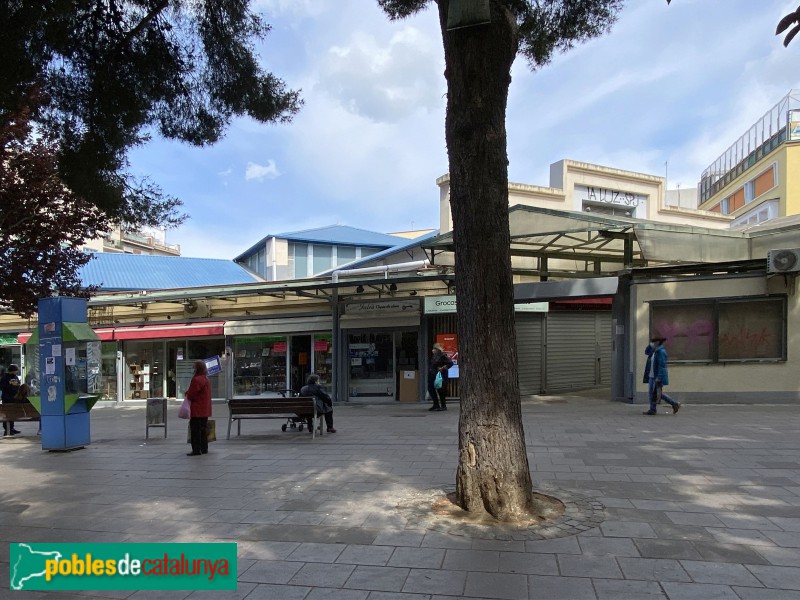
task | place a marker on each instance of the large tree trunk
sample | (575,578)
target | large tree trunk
(493,473)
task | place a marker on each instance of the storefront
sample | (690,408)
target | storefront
(271,356)
(10,351)
(380,339)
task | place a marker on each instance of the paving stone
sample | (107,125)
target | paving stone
(732,553)
(750,537)
(682,532)
(278,592)
(568,545)
(271,571)
(471,560)
(314,574)
(675,549)
(786,523)
(694,518)
(787,539)
(626,529)
(698,591)
(427,581)
(722,573)
(589,566)
(320,593)
(317,553)
(508,586)
(593,546)
(787,578)
(541,587)
(355,554)
(418,558)
(610,589)
(746,593)
(652,569)
(399,596)
(387,579)
(528,563)
(785,557)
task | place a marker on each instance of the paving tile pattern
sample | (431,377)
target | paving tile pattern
(703,504)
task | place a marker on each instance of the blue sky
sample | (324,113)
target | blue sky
(673,84)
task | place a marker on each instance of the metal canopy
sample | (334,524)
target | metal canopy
(575,244)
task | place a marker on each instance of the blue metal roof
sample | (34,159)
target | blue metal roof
(343,235)
(145,272)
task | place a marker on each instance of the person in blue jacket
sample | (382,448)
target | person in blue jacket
(657,366)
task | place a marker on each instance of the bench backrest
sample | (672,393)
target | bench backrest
(19,410)
(271,406)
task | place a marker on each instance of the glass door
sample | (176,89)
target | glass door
(371,363)
(301,361)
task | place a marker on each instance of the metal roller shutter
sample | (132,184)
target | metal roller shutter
(529,353)
(571,351)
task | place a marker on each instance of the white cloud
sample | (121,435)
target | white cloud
(388,81)
(261,172)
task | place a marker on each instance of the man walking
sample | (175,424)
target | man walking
(660,377)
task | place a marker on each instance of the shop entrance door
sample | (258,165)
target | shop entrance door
(301,361)
(371,357)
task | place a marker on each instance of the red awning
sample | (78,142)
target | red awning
(152,332)
(177,330)
(598,300)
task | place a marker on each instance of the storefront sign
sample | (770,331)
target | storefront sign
(599,195)
(381,308)
(440,304)
(321,345)
(447,304)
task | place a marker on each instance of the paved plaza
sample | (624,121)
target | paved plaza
(701,505)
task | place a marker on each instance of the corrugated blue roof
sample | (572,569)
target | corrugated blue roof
(332,234)
(144,272)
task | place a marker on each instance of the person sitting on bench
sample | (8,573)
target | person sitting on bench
(321,399)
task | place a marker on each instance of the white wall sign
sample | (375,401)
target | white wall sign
(381,308)
(599,195)
(447,304)
(440,304)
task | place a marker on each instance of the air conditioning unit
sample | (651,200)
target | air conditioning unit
(194,309)
(783,261)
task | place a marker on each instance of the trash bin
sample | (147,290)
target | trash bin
(156,415)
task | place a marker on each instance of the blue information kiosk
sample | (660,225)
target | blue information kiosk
(69,372)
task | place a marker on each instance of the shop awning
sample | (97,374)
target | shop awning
(142,332)
(178,330)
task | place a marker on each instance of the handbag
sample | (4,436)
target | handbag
(211,432)
(437,383)
(185,411)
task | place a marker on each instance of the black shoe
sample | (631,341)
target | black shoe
(444,408)
(15,432)
(331,430)
(676,407)
(434,407)
(650,412)
(193,454)
(203,451)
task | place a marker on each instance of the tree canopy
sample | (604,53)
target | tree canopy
(42,222)
(115,72)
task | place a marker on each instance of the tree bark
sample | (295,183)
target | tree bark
(493,473)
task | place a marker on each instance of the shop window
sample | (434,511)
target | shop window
(725,205)
(722,330)
(751,330)
(259,365)
(323,359)
(737,200)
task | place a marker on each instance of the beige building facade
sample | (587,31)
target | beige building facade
(585,187)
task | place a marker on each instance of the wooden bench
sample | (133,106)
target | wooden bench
(272,408)
(19,411)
